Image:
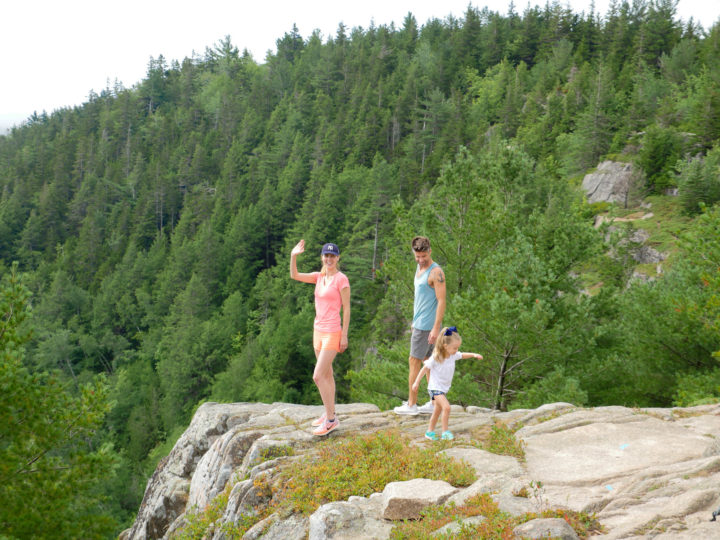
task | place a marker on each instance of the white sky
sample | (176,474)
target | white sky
(53,53)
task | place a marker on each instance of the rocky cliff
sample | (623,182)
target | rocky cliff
(644,473)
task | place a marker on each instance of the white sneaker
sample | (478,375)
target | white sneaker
(406,409)
(427,408)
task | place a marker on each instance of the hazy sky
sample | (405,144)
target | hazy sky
(55,52)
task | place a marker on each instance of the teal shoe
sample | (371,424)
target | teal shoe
(446,436)
(431,435)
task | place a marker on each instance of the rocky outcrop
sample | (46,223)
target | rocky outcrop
(610,182)
(648,255)
(635,240)
(166,495)
(645,473)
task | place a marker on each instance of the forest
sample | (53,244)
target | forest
(145,235)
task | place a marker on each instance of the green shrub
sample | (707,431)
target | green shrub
(497,525)
(555,387)
(199,522)
(362,465)
(698,388)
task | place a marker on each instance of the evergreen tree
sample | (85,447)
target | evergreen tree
(699,181)
(50,468)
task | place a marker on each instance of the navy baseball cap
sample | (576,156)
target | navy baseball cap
(330,249)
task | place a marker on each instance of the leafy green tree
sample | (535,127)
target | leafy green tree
(662,147)
(703,250)
(590,140)
(556,386)
(698,389)
(526,37)
(181,355)
(699,181)
(659,32)
(678,63)
(50,470)
(669,329)
(507,257)
(646,100)
(382,377)
(702,105)
(525,322)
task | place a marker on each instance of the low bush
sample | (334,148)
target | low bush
(362,465)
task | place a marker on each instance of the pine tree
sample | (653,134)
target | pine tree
(50,468)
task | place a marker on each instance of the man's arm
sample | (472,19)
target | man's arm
(437,282)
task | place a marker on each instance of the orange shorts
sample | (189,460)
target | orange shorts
(326,340)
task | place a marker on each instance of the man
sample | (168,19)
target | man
(428,312)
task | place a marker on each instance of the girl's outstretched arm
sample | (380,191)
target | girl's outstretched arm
(466,355)
(294,274)
(424,371)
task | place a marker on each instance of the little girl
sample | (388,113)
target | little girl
(440,368)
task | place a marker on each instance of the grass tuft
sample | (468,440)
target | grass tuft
(499,439)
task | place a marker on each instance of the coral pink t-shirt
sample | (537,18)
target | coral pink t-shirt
(328,301)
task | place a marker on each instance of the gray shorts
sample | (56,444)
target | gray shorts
(419,346)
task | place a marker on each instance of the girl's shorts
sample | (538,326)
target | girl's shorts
(434,393)
(326,340)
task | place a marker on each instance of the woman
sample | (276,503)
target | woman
(330,335)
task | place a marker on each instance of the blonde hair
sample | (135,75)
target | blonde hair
(443,342)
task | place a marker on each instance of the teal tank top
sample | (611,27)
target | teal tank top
(425,305)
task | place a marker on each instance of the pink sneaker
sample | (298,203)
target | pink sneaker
(326,427)
(319,421)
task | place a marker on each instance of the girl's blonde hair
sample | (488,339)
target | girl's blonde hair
(446,337)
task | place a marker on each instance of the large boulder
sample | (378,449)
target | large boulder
(405,500)
(610,182)
(358,518)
